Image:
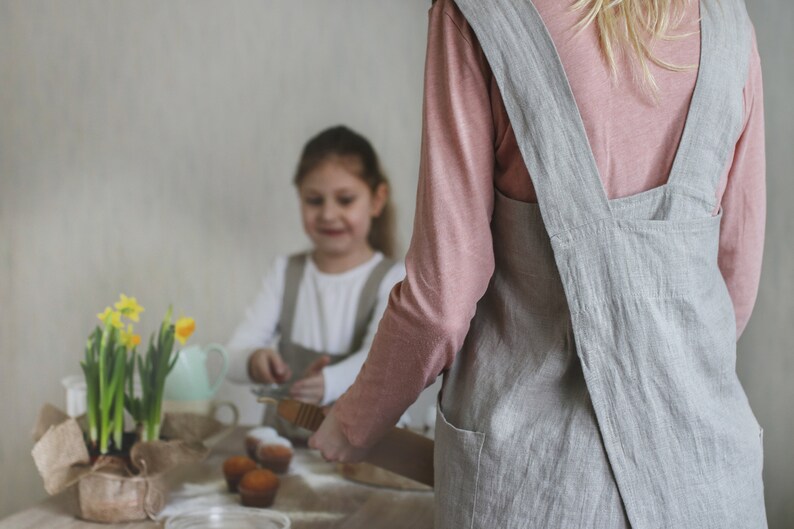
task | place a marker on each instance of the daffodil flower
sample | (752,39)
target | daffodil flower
(128,339)
(115,320)
(112,317)
(183,328)
(129,307)
(104,315)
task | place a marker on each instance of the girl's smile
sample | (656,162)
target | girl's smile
(332,233)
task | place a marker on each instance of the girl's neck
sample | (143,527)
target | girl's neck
(339,263)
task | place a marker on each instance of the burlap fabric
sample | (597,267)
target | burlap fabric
(109,489)
(380,477)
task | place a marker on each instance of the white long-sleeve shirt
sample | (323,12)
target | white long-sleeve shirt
(325,314)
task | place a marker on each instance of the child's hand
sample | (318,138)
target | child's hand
(267,367)
(311,388)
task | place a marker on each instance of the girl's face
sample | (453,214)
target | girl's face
(337,208)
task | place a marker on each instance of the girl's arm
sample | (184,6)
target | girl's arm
(258,328)
(744,203)
(339,377)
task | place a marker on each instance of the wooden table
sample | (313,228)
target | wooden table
(312,494)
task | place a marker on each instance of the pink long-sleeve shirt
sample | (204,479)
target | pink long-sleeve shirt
(468,148)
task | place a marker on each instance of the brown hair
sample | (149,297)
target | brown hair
(348,145)
(630,27)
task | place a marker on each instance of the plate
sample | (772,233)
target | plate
(227,517)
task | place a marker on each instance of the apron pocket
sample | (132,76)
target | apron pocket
(457,470)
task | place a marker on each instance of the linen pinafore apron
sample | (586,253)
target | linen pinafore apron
(299,358)
(597,385)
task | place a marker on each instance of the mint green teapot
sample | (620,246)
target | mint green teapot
(189,380)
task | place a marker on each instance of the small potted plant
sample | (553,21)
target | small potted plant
(111,358)
(118,475)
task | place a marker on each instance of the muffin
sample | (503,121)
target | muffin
(263,434)
(258,488)
(235,468)
(254,437)
(275,457)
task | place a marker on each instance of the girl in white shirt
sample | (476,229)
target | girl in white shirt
(312,322)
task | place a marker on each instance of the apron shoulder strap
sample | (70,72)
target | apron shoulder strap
(368,300)
(549,128)
(296,264)
(542,111)
(716,111)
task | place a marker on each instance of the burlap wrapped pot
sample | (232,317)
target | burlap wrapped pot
(110,489)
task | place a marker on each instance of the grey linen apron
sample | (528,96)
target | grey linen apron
(597,384)
(299,358)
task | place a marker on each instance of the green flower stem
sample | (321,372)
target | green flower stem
(131,402)
(153,372)
(119,375)
(91,372)
(91,390)
(106,394)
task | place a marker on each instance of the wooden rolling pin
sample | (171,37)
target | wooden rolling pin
(400,451)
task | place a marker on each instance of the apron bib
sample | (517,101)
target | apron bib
(597,385)
(299,358)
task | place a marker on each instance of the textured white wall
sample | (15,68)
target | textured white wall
(147,147)
(765,361)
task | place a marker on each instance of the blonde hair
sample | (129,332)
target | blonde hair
(630,27)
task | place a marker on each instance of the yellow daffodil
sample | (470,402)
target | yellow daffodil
(128,339)
(111,317)
(183,328)
(115,320)
(103,315)
(129,307)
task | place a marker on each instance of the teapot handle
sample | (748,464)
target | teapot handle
(213,347)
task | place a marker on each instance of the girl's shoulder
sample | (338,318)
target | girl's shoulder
(397,267)
(394,275)
(281,261)
(276,271)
